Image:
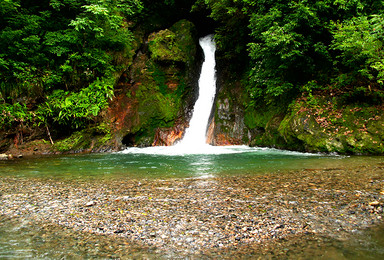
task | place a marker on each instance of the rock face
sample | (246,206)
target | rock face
(155,96)
(317,125)
(168,136)
(352,129)
(321,128)
(227,125)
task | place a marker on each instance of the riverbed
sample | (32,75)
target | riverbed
(332,210)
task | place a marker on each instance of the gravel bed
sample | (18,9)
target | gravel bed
(204,216)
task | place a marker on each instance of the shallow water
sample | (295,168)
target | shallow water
(29,241)
(163,163)
(25,240)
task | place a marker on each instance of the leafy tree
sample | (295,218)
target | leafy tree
(232,32)
(360,41)
(289,48)
(63,47)
(293,43)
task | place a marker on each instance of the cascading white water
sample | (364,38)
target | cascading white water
(194,141)
(195,135)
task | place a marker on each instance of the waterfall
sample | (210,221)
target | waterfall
(194,141)
(195,135)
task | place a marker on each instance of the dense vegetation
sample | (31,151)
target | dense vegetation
(60,59)
(63,55)
(301,46)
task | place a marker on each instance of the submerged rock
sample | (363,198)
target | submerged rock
(185,217)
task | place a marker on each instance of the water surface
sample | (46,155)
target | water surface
(164,163)
(24,240)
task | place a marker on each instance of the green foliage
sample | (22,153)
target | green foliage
(291,43)
(232,34)
(61,44)
(71,143)
(75,109)
(12,115)
(288,48)
(62,52)
(360,42)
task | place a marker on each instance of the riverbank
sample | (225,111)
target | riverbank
(205,216)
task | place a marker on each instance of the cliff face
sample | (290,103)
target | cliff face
(155,96)
(316,123)
(227,125)
(152,102)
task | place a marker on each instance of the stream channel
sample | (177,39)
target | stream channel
(177,196)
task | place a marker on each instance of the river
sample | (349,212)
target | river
(181,206)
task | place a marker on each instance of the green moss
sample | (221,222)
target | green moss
(162,46)
(162,80)
(91,138)
(75,141)
(250,119)
(104,134)
(325,128)
(175,44)
(260,117)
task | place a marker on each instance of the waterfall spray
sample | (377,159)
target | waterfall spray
(195,135)
(194,141)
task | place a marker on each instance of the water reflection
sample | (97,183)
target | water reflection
(202,166)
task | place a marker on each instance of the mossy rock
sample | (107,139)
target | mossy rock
(350,130)
(97,138)
(161,81)
(176,44)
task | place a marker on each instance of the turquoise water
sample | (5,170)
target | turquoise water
(28,241)
(143,164)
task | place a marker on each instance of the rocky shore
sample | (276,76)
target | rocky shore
(204,217)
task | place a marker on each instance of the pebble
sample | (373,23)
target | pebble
(374,203)
(90,204)
(177,216)
(3,156)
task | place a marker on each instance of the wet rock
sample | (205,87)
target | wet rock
(374,203)
(90,204)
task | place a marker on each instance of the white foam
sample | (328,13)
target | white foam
(194,141)
(210,150)
(182,150)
